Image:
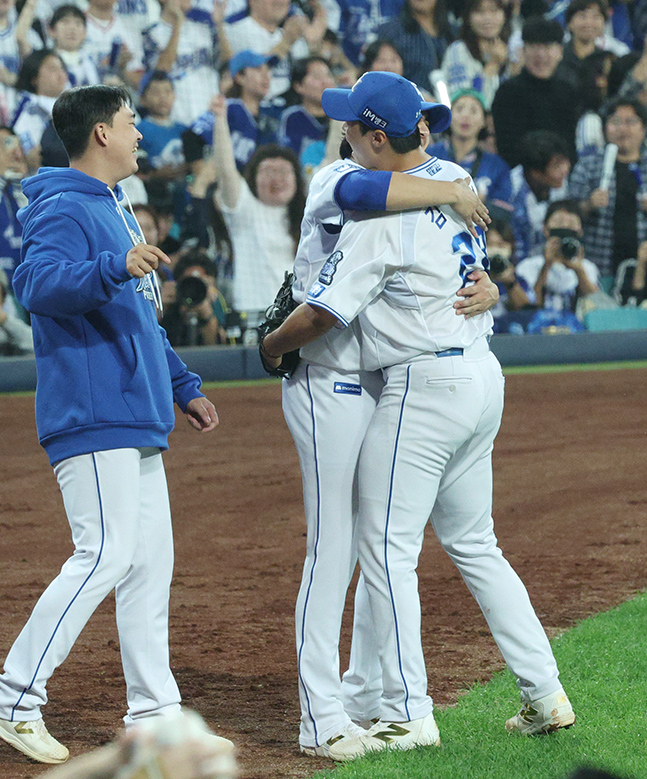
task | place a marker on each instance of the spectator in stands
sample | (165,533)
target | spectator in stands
(269,30)
(628,76)
(188,48)
(586,20)
(559,276)
(615,219)
(162,136)
(41,79)
(479,60)
(539,179)
(105,43)
(421,33)
(359,21)
(197,315)
(67,30)
(17,40)
(136,16)
(536,99)
(594,89)
(15,335)
(513,292)
(382,55)
(252,121)
(13,168)
(263,212)
(306,124)
(490,173)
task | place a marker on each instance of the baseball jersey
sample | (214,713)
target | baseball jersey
(102,40)
(299,129)
(194,74)
(397,274)
(320,229)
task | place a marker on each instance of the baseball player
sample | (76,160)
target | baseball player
(428,446)
(327,406)
(107,379)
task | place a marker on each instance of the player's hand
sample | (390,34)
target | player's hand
(477,298)
(470,207)
(201,414)
(143,259)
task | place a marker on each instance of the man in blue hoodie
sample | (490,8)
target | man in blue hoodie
(107,380)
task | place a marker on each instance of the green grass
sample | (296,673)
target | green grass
(603,666)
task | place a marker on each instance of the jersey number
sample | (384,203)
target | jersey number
(463,244)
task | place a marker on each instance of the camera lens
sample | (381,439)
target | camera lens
(498,263)
(569,247)
(191,291)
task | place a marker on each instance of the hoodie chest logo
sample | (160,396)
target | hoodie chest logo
(146,288)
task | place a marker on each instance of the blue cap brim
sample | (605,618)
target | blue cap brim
(335,105)
(438,115)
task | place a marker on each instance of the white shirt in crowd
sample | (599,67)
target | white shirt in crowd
(263,250)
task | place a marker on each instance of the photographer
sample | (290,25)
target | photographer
(558,277)
(197,315)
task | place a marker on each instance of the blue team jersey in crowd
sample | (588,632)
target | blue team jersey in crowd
(491,177)
(359,19)
(247,131)
(10,232)
(162,144)
(299,129)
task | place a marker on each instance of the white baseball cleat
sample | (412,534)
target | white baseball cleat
(545,715)
(33,740)
(334,747)
(350,744)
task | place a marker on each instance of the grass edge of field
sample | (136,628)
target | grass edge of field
(512,370)
(603,669)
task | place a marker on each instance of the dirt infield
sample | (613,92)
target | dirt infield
(570,506)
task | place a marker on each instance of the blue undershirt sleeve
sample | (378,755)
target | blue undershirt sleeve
(363,190)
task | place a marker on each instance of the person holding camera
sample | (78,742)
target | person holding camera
(561,275)
(197,315)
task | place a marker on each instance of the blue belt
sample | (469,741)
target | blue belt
(449,353)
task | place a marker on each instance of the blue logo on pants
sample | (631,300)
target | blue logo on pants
(343,388)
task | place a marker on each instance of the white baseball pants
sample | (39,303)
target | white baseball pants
(328,413)
(428,451)
(118,510)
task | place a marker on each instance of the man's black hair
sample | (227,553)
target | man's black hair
(540,30)
(28,72)
(195,258)
(538,147)
(576,6)
(620,102)
(572,206)
(78,110)
(399,145)
(63,11)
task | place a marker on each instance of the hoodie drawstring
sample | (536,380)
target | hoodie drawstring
(135,240)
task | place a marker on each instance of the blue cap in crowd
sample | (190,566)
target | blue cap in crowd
(246,59)
(386,102)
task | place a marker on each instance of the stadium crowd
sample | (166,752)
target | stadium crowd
(549,101)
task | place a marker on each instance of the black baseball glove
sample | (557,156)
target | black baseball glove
(275,315)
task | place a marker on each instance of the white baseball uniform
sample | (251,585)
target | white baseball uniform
(117,505)
(327,406)
(429,443)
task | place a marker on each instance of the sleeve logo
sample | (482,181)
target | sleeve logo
(329,268)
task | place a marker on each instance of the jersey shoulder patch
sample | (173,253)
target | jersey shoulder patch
(329,267)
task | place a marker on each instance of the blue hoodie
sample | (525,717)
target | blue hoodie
(107,375)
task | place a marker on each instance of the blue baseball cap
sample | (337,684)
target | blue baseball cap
(246,59)
(386,102)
